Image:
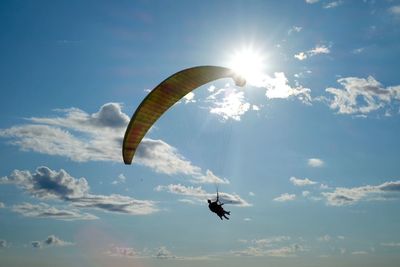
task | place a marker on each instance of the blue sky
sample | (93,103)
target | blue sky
(306,153)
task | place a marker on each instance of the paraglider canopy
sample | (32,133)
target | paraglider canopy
(165,95)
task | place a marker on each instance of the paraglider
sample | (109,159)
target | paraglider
(216,207)
(165,95)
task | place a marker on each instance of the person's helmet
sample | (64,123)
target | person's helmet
(209,201)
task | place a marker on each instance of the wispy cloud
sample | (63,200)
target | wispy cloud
(295,29)
(333,4)
(301,182)
(121,179)
(279,246)
(342,196)
(201,196)
(315,162)
(317,50)
(228,103)
(44,210)
(45,183)
(391,244)
(285,197)
(311,1)
(361,96)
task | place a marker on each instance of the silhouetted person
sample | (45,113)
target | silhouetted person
(217,208)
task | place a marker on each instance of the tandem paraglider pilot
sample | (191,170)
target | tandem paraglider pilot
(217,208)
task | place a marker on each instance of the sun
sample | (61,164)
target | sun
(248,63)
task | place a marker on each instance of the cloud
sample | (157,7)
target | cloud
(272,247)
(278,87)
(361,96)
(317,50)
(189,98)
(36,244)
(395,10)
(43,210)
(325,238)
(201,196)
(2,205)
(83,137)
(391,244)
(359,253)
(3,243)
(301,182)
(333,4)
(119,251)
(295,29)
(311,1)
(342,196)
(120,179)
(285,197)
(305,193)
(51,241)
(163,253)
(228,103)
(315,162)
(301,56)
(209,178)
(45,183)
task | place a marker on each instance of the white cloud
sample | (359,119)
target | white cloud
(315,162)
(311,1)
(285,197)
(84,137)
(295,29)
(333,4)
(271,247)
(201,196)
(317,50)
(252,194)
(342,196)
(43,210)
(359,253)
(121,179)
(301,56)
(305,193)
(2,205)
(228,103)
(209,178)
(361,96)
(45,183)
(278,87)
(189,98)
(301,182)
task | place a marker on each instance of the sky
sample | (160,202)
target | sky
(305,156)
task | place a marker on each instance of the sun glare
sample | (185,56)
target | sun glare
(249,64)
